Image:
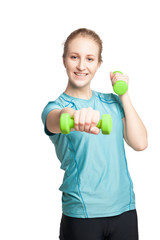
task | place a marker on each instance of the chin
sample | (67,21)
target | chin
(79,83)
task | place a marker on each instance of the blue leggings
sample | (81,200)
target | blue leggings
(120,227)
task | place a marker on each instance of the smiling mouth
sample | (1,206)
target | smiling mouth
(80,74)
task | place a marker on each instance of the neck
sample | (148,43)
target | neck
(83,93)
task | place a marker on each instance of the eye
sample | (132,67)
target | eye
(74,57)
(90,59)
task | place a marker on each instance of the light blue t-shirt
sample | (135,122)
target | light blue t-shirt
(96,182)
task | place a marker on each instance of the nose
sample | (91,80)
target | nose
(81,65)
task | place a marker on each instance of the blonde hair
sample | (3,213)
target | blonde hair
(84,32)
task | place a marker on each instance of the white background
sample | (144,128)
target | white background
(32,74)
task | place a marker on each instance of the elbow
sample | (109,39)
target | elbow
(138,145)
(142,146)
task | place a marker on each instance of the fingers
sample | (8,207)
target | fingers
(111,75)
(118,76)
(88,120)
(76,120)
(85,119)
(94,122)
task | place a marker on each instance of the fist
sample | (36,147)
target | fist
(118,76)
(86,120)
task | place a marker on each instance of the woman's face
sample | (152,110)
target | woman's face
(81,61)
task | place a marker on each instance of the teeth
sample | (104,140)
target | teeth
(81,74)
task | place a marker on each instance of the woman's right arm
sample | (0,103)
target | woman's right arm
(52,120)
(85,120)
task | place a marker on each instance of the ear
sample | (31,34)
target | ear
(64,62)
(99,64)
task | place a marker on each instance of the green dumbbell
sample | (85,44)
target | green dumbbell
(67,122)
(120,87)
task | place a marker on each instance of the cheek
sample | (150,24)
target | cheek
(94,68)
(70,65)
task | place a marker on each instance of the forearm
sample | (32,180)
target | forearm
(53,118)
(135,131)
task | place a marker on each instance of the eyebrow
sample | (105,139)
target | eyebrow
(87,54)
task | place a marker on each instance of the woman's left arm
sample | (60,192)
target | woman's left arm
(134,131)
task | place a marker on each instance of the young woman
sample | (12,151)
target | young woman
(98,200)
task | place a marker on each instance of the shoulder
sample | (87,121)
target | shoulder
(51,105)
(57,102)
(110,97)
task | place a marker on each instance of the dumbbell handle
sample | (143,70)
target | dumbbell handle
(120,87)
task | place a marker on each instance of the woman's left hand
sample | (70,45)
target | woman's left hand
(118,76)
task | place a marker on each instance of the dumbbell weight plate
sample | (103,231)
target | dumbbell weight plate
(120,87)
(106,124)
(66,123)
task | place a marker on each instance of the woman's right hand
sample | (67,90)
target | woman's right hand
(86,120)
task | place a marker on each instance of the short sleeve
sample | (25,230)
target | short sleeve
(48,108)
(120,105)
